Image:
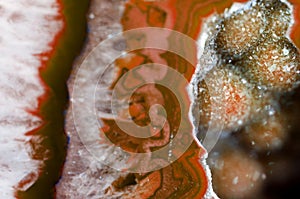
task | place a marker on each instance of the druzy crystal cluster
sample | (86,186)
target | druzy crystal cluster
(254,64)
(255,61)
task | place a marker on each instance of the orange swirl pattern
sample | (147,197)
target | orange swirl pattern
(186,177)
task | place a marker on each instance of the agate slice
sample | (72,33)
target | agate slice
(246,62)
(184,178)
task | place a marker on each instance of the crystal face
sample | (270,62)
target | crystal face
(239,31)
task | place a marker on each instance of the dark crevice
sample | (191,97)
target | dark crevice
(53,108)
